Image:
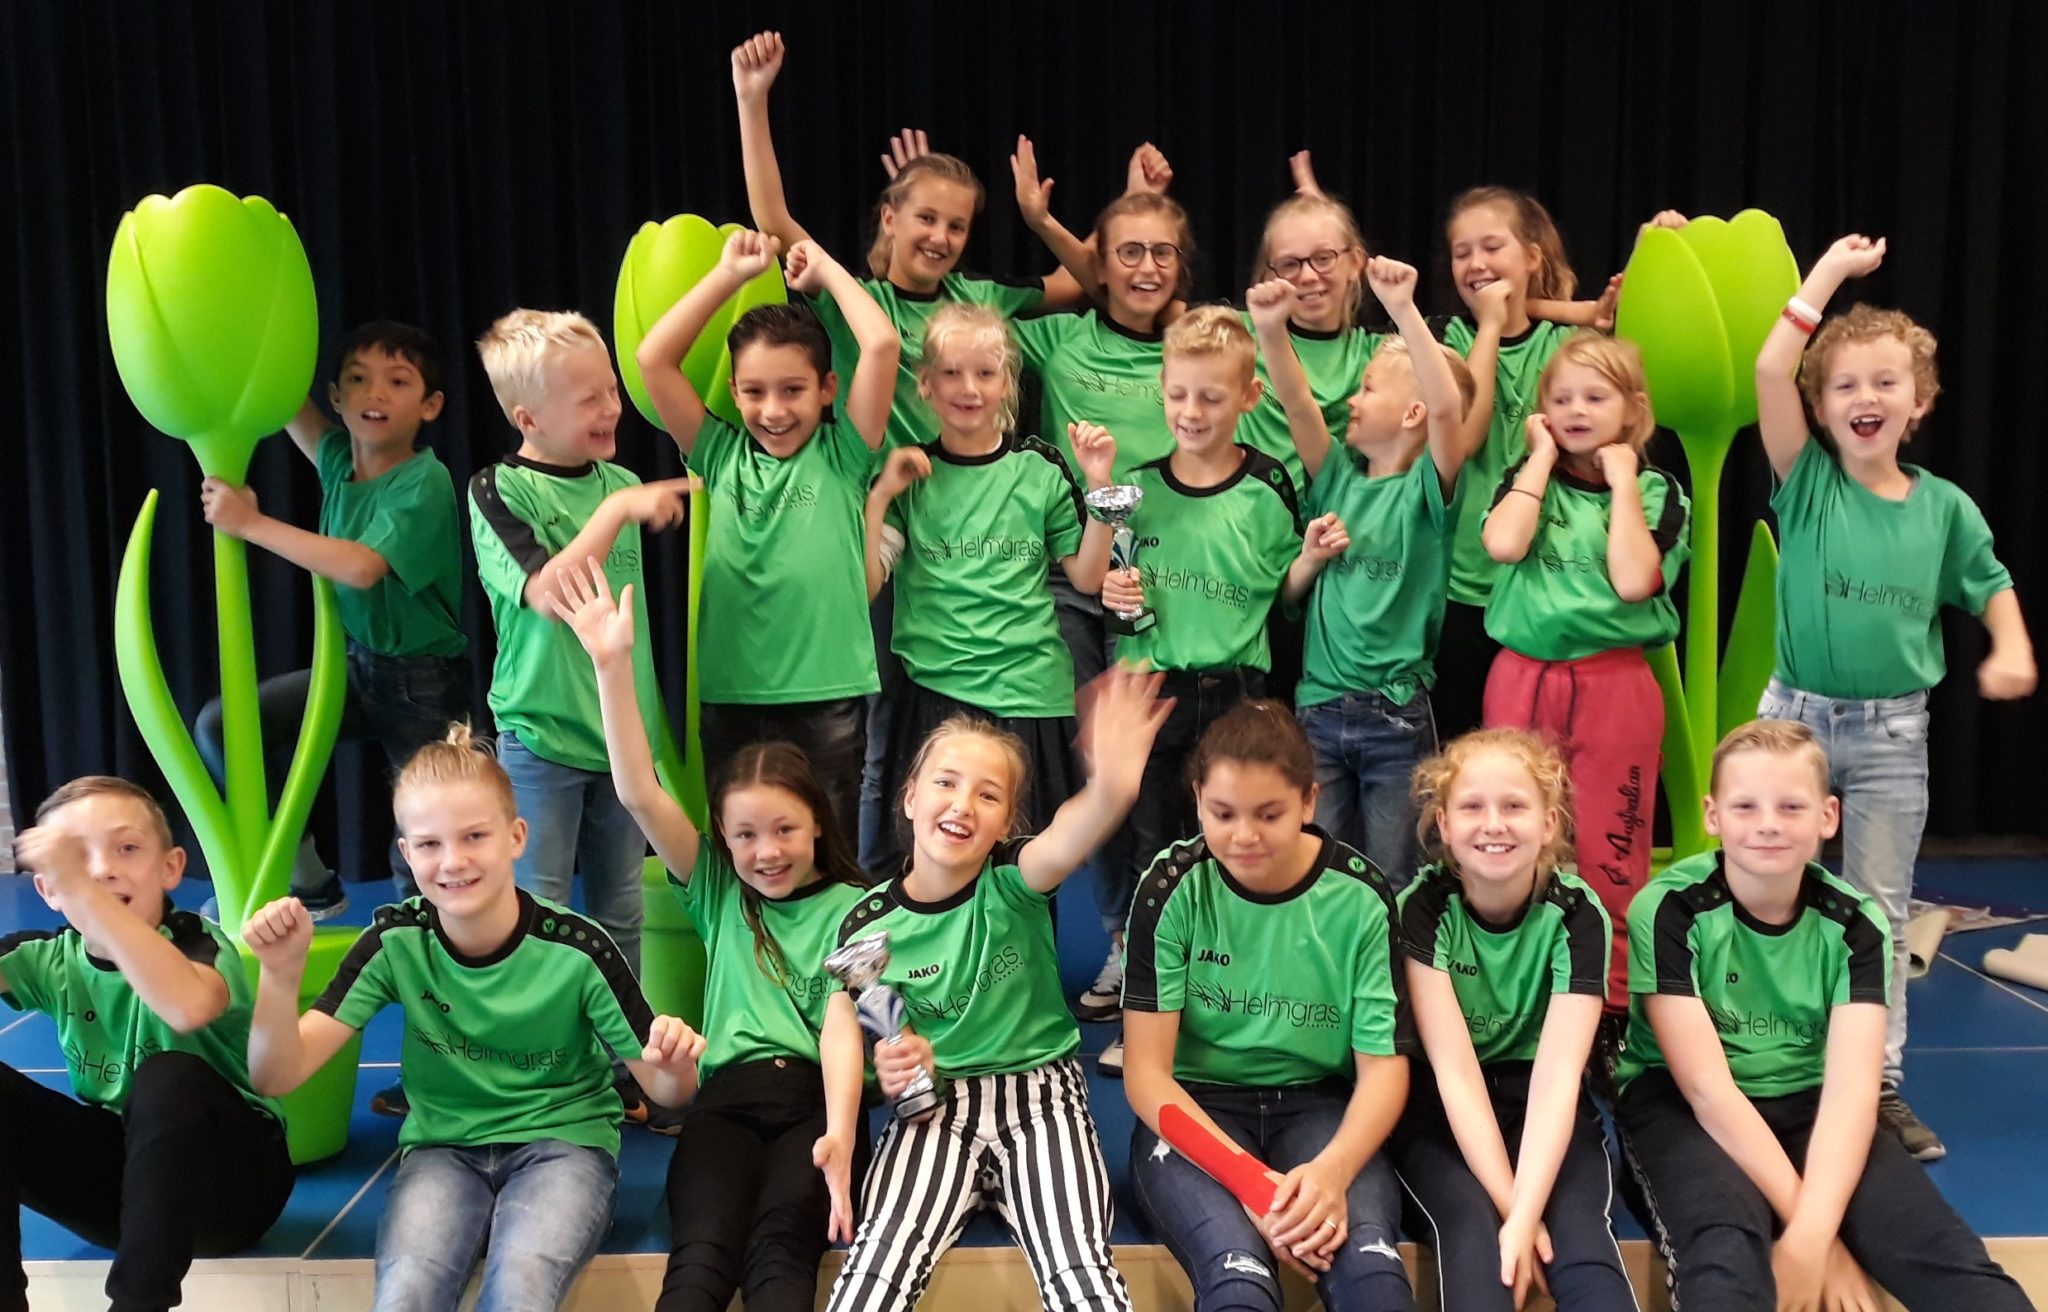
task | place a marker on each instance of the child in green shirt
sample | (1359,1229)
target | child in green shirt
(167,1151)
(1871,551)
(1749,1086)
(389,542)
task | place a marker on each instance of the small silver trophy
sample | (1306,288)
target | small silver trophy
(858,965)
(1114,506)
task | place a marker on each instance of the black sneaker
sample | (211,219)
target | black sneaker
(645,1112)
(391,1102)
(1104,999)
(1920,1143)
(325,902)
(1111,1062)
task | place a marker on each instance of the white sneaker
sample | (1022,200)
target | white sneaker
(1111,1062)
(1104,999)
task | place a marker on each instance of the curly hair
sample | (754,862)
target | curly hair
(1867,323)
(1435,777)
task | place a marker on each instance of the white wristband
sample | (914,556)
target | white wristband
(1804,311)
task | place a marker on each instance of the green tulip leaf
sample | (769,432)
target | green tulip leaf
(1668,310)
(1680,772)
(1752,653)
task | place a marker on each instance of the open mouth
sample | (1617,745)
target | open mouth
(1479,282)
(375,416)
(1867,426)
(776,430)
(1146,287)
(954,830)
(934,254)
(769,874)
(457,885)
(1495,849)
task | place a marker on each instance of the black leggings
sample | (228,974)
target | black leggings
(189,1168)
(747,1209)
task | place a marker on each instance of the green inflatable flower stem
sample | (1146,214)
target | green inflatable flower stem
(240,718)
(1706,456)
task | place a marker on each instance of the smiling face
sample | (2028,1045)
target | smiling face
(382,399)
(773,838)
(1205,395)
(1139,292)
(1296,243)
(962,801)
(780,395)
(1585,408)
(927,232)
(1381,407)
(1486,250)
(1869,401)
(1771,812)
(461,839)
(125,854)
(966,383)
(1496,822)
(577,417)
(1253,819)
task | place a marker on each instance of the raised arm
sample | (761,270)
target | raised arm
(755,64)
(605,628)
(1780,414)
(1116,738)
(1271,303)
(1510,528)
(1394,284)
(1489,321)
(811,271)
(1034,202)
(661,352)
(905,465)
(285,1048)
(655,506)
(1095,451)
(307,427)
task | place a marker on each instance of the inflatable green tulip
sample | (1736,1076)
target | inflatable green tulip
(1699,301)
(663,261)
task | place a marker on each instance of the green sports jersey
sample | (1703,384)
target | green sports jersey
(1520,365)
(1211,561)
(977,972)
(911,421)
(1862,579)
(106,1031)
(1272,989)
(1557,603)
(1377,610)
(1334,362)
(750,1015)
(1095,370)
(506,1048)
(1769,988)
(406,515)
(543,687)
(974,617)
(784,554)
(1506,974)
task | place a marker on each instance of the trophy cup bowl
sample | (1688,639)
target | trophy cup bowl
(1114,506)
(858,965)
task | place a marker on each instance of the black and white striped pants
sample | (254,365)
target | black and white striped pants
(1023,1144)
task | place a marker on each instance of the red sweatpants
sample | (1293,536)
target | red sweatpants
(1606,714)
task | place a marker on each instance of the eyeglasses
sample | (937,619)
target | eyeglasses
(1164,253)
(1289,266)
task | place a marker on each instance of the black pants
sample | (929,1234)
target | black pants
(189,1168)
(1716,1229)
(1464,657)
(1459,1220)
(747,1209)
(833,734)
(1055,775)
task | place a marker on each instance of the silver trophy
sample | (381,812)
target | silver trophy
(858,965)
(1114,506)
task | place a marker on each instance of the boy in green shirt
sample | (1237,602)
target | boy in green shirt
(167,1151)
(1749,1083)
(1872,550)
(554,505)
(388,541)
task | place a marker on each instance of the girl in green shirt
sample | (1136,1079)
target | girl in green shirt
(1507,963)
(781,1070)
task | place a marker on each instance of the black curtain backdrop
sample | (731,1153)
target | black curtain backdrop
(445,161)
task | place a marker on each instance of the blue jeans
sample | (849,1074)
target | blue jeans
(1877,753)
(404,702)
(577,825)
(1225,1257)
(1367,747)
(541,1207)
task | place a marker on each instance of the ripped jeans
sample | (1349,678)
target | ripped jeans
(1206,1228)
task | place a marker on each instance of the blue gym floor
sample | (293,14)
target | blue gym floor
(1978,1059)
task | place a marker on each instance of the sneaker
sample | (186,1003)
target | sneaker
(1104,999)
(1111,1062)
(325,902)
(391,1102)
(1920,1143)
(645,1113)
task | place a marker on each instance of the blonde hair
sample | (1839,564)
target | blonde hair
(1461,372)
(1316,207)
(1532,226)
(1778,738)
(458,758)
(1142,203)
(974,327)
(1435,777)
(945,168)
(968,726)
(1620,362)
(1213,330)
(1867,323)
(517,347)
(107,785)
